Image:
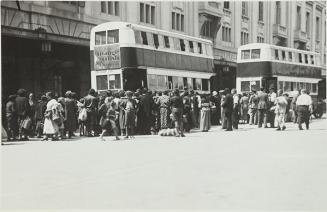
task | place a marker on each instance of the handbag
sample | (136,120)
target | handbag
(27,123)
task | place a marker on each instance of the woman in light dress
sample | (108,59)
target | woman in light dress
(51,128)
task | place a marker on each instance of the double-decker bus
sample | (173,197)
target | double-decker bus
(264,65)
(129,56)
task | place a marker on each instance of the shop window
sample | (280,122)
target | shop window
(255,54)
(294,86)
(100,38)
(102,82)
(245,86)
(245,54)
(144,38)
(112,36)
(308,87)
(205,84)
(156,40)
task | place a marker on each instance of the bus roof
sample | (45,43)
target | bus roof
(119,24)
(270,46)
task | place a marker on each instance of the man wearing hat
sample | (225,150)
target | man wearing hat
(262,108)
(304,109)
(253,103)
(222,114)
(228,105)
(70,114)
(40,109)
(215,99)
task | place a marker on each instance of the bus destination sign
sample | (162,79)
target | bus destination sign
(106,57)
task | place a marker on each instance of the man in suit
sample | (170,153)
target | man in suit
(262,108)
(91,105)
(23,111)
(146,106)
(272,98)
(227,105)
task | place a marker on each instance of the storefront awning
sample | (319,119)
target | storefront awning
(180,73)
(298,79)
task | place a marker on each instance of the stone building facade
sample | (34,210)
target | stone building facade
(45,44)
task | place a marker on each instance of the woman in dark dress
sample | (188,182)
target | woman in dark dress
(70,114)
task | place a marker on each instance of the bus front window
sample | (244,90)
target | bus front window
(245,54)
(255,54)
(100,38)
(113,36)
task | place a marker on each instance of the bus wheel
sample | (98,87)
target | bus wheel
(317,114)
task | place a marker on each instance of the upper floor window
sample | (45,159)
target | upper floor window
(213,4)
(226,5)
(244,38)
(167,45)
(177,20)
(307,23)
(110,7)
(244,8)
(182,44)
(147,13)
(226,34)
(260,11)
(278,12)
(317,28)
(191,46)
(156,40)
(206,29)
(260,39)
(144,38)
(298,17)
(290,56)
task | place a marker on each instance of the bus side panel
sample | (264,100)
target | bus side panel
(135,57)
(295,70)
(254,69)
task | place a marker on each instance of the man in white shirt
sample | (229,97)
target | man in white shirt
(235,116)
(304,108)
(271,114)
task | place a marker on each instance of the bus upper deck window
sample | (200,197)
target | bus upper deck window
(100,38)
(300,58)
(306,59)
(312,59)
(200,48)
(156,40)
(113,36)
(182,44)
(276,54)
(144,38)
(245,54)
(191,46)
(283,55)
(166,42)
(290,58)
(255,54)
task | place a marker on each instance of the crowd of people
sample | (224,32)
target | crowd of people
(126,113)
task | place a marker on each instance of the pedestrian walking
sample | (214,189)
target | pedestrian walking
(109,118)
(176,104)
(244,108)
(228,105)
(40,109)
(11,115)
(51,128)
(129,106)
(70,108)
(23,112)
(280,110)
(262,108)
(205,120)
(91,103)
(304,109)
(163,102)
(236,109)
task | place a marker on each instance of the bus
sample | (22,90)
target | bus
(126,56)
(264,65)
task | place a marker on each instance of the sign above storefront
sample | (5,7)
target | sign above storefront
(106,57)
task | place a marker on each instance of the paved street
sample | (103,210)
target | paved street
(251,169)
